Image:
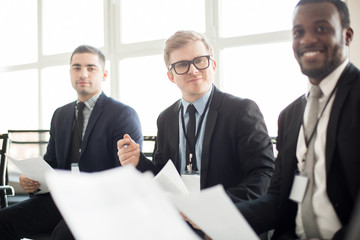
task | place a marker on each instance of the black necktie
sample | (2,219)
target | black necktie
(191,141)
(77,134)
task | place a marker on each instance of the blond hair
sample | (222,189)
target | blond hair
(182,39)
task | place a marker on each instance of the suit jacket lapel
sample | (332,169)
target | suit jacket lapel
(343,88)
(96,113)
(68,120)
(174,132)
(289,144)
(209,129)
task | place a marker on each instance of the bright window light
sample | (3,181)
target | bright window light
(19,100)
(267,74)
(144,85)
(68,24)
(241,17)
(159,19)
(18,24)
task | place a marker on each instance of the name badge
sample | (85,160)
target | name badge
(191,181)
(298,188)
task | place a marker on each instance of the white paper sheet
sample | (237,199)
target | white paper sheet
(213,211)
(120,203)
(169,179)
(35,169)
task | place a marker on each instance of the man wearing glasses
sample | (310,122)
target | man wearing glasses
(231,144)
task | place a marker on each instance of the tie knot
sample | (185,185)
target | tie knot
(315,92)
(80,106)
(191,109)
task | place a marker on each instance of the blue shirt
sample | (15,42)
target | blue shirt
(200,107)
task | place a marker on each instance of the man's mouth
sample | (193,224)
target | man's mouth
(310,53)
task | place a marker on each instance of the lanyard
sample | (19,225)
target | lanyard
(200,122)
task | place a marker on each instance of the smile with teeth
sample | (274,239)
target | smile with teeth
(311,53)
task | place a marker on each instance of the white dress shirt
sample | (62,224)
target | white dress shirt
(326,217)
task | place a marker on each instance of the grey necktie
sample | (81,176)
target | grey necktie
(307,210)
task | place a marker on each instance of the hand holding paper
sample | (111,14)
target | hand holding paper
(34,169)
(28,185)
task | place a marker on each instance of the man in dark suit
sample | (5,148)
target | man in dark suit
(321,36)
(105,121)
(232,146)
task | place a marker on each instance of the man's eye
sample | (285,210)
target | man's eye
(321,29)
(182,64)
(198,60)
(297,33)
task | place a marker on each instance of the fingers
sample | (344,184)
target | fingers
(128,151)
(189,221)
(125,142)
(28,185)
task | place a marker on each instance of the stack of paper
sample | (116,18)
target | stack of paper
(123,203)
(120,203)
(211,209)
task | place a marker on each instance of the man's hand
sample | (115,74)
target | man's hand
(28,185)
(128,151)
(189,221)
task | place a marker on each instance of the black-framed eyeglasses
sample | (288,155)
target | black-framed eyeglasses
(182,67)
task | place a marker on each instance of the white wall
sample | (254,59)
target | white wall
(354,8)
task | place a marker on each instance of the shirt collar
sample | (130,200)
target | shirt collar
(90,103)
(330,81)
(198,104)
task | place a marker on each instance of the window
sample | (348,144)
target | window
(159,19)
(239,18)
(18,42)
(72,23)
(267,74)
(145,87)
(251,40)
(19,100)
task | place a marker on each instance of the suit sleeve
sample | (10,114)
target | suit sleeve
(254,153)
(50,155)
(263,213)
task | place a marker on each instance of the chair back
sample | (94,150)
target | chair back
(149,146)
(3,163)
(5,189)
(23,144)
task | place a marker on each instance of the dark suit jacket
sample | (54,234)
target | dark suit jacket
(275,210)
(108,123)
(237,151)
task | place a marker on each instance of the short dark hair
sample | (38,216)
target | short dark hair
(340,6)
(89,49)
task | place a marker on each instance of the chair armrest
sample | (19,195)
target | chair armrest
(9,190)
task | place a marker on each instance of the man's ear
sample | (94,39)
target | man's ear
(170,76)
(214,65)
(349,34)
(105,75)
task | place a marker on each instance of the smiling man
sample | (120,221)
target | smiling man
(229,143)
(316,179)
(83,135)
